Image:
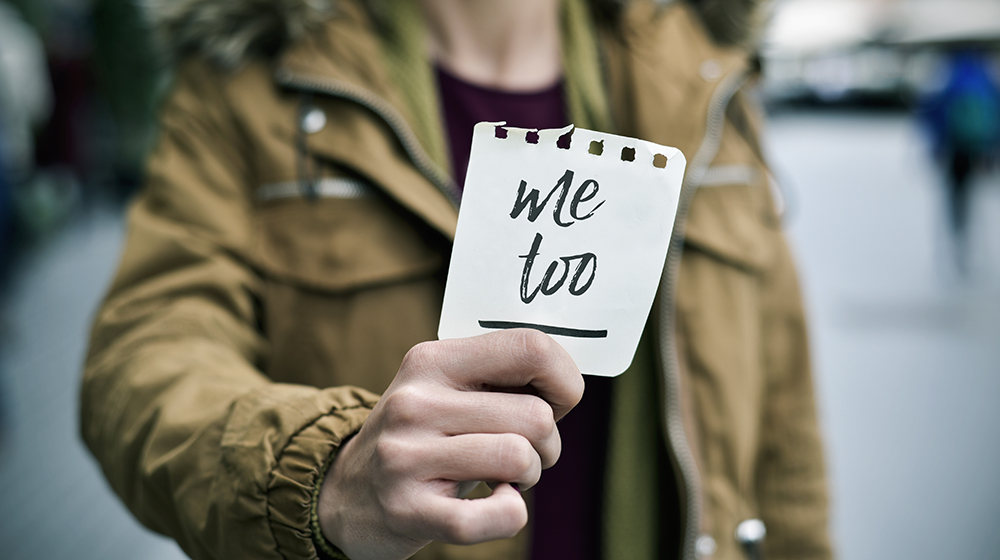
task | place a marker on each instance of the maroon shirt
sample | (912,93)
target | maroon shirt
(466,104)
(567,500)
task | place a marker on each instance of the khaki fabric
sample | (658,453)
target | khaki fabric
(251,326)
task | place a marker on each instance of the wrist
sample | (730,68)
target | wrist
(321,518)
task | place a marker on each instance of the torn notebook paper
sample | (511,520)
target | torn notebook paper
(564,231)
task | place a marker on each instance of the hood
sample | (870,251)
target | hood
(229,31)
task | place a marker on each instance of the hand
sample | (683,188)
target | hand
(458,410)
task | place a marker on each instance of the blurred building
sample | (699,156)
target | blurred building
(870,50)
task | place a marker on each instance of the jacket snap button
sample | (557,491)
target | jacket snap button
(313,121)
(710,70)
(704,547)
(751,531)
(750,534)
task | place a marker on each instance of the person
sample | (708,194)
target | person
(964,121)
(264,381)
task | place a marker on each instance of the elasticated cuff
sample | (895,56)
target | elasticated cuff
(327,550)
(296,478)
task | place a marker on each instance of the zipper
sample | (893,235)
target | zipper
(673,420)
(385,111)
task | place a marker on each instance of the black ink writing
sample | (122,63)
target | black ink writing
(584,193)
(584,262)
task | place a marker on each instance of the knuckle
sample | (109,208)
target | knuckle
(458,527)
(420,357)
(536,348)
(513,517)
(535,343)
(517,456)
(539,420)
(407,405)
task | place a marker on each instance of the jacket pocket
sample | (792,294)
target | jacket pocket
(734,221)
(342,236)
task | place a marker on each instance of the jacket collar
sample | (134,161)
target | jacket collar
(661,65)
(344,64)
(663,71)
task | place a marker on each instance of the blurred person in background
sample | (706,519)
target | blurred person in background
(259,382)
(964,119)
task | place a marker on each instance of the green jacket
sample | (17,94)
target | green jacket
(275,274)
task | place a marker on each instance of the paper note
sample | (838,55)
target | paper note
(569,241)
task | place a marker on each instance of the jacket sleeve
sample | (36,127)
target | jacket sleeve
(199,444)
(791,480)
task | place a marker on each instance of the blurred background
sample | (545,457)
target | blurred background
(883,134)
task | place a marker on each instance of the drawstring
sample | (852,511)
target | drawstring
(306,172)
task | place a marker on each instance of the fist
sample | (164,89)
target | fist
(480,408)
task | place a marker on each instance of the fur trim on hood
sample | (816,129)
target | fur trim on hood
(230,31)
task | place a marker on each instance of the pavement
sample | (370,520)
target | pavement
(54,500)
(905,350)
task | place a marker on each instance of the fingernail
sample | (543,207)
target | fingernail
(515,486)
